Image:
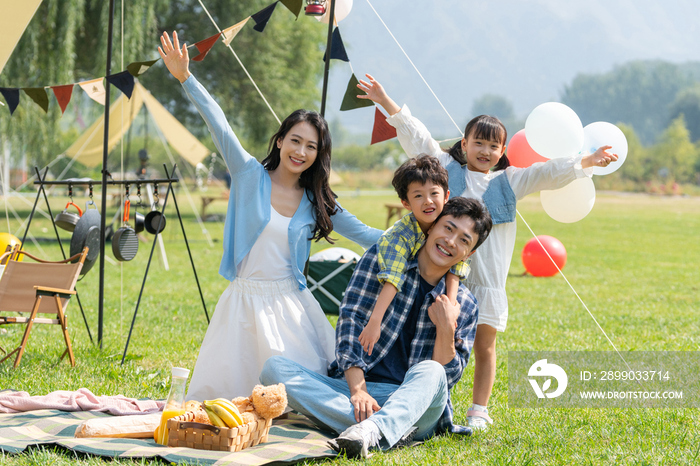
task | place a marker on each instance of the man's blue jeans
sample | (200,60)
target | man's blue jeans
(419,401)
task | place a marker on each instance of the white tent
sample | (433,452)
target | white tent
(89,146)
(13,21)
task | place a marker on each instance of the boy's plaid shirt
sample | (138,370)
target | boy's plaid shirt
(400,243)
(360,297)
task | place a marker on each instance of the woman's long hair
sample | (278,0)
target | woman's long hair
(314,179)
(482,127)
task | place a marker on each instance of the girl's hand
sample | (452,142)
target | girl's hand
(600,158)
(376,93)
(176,59)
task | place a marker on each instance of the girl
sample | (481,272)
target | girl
(275,209)
(478,168)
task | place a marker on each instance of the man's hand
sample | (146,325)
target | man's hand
(361,400)
(444,314)
(364,405)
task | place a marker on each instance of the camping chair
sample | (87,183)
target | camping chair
(23,286)
(327,282)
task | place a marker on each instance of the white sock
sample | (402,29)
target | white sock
(477,407)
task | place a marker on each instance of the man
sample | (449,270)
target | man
(402,389)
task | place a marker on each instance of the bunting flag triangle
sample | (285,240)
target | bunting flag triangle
(140,67)
(350,99)
(337,48)
(11,95)
(63,95)
(293,5)
(95,89)
(38,95)
(123,81)
(230,32)
(204,46)
(262,17)
(382,130)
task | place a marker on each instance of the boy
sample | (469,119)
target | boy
(421,184)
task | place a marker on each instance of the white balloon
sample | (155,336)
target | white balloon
(554,130)
(570,203)
(600,134)
(342,9)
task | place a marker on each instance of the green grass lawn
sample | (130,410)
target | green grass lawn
(633,260)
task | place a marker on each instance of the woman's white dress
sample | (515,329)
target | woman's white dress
(262,313)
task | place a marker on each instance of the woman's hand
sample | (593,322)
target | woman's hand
(176,59)
(376,93)
(600,158)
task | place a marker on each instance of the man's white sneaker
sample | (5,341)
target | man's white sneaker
(356,440)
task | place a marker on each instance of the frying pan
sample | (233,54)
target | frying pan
(125,243)
(87,233)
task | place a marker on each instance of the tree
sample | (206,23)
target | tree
(675,156)
(687,104)
(64,42)
(637,93)
(285,61)
(500,107)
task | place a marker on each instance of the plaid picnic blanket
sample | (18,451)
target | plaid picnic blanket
(289,441)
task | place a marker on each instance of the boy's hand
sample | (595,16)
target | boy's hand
(600,158)
(176,59)
(369,336)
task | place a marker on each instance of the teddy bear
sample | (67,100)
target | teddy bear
(266,402)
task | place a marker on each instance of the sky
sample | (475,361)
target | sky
(525,50)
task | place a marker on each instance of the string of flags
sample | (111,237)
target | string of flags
(124,80)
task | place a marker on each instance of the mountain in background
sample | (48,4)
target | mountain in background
(527,51)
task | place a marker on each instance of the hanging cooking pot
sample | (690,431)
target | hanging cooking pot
(155,222)
(67,220)
(155,219)
(139,222)
(87,233)
(125,243)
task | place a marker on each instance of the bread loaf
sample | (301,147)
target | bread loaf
(136,426)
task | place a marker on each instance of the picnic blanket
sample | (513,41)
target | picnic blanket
(290,440)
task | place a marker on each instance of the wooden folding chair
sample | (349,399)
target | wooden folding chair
(23,286)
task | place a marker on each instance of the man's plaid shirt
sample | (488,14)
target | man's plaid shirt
(360,297)
(400,243)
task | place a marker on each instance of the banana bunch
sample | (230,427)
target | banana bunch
(222,413)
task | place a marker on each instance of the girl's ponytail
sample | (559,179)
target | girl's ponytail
(456,152)
(502,164)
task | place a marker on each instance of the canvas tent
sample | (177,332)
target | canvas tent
(13,21)
(89,146)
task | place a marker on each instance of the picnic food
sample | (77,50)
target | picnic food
(233,425)
(136,426)
(224,410)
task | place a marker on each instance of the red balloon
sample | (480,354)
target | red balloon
(519,152)
(535,258)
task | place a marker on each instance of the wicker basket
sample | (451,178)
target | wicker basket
(207,437)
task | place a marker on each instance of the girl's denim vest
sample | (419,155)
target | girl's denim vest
(498,198)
